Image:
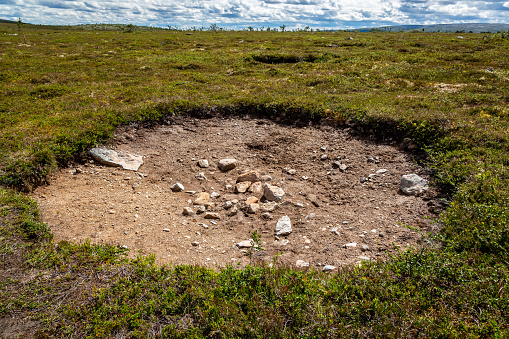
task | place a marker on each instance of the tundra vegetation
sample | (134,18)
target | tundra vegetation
(65,89)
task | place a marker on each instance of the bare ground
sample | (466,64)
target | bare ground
(328,207)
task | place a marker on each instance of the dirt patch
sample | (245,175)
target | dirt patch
(329,206)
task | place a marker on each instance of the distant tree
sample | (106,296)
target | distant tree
(213,28)
(129,28)
(250,28)
(283,27)
(268,29)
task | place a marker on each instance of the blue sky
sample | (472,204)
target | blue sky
(330,14)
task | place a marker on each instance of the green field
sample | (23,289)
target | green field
(65,89)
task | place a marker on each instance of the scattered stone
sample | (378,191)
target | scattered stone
(257,189)
(283,226)
(412,184)
(201,210)
(166,230)
(336,164)
(490,70)
(212,215)
(323,148)
(215,195)
(205,226)
(381,171)
(233,211)
(227,164)
(291,171)
(268,206)
(187,211)
(203,163)
(227,205)
(242,187)
(364,248)
(201,176)
(253,208)
(323,157)
(335,231)
(111,158)
(251,176)
(301,264)
(177,187)
(351,245)
(328,268)
(195,243)
(266,178)
(245,244)
(202,198)
(364,258)
(298,204)
(307,241)
(267,216)
(272,193)
(209,206)
(251,200)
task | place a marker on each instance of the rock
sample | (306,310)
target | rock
(245,244)
(323,157)
(272,193)
(301,264)
(328,268)
(313,199)
(215,195)
(257,189)
(335,231)
(412,184)
(187,211)
(267,216)
(364,248)
(195,243)
(166,229)
(201,210)
(251,200)
(336,164)
(177,187)
(202,198)
(381,171)
(201,176)
(209,205)
(242,187)
(205,226)
(227,164)
(251,176)
(233,211)
(266,178)
(268,206)
(291,171)
(343,167)
(253,208)
(283,226)
(364,258)
(212,215)
(351,245)
(203,163)
(111,158)
(227,205)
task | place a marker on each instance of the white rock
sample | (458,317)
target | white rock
(272,193)
(111,158)
(301,263)
(177,187)
(283,226)
(412,184)
(242,187)
(215,195)
(381,171)
(203,163)
(268,206)
(328,268)
(351,245)
(245,244)
(227,164)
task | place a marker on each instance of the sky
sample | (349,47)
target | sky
(239,14)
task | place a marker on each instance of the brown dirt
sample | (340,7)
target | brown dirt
(116,206)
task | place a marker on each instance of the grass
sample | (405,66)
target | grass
(67,89)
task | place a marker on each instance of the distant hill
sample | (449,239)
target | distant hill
(2,21)
(454,28)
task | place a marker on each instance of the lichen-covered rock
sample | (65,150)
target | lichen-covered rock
(412,184)
(111,158)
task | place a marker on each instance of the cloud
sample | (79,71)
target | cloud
(336,14)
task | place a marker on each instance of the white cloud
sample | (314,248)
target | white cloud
(241,13)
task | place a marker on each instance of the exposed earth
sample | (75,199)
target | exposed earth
(339,190)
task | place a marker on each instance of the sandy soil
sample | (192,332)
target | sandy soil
(328,207)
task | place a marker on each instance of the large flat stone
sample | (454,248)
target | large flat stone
(111,158)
